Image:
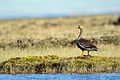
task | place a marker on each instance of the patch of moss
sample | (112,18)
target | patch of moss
(55,64)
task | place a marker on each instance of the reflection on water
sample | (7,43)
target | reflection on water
(113,76)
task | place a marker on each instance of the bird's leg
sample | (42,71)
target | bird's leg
(82,53)
(88,53)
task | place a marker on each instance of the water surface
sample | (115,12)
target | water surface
(113,76)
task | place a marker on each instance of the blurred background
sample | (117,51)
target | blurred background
(46,27)
(56,8)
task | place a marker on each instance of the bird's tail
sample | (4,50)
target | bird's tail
(96,49)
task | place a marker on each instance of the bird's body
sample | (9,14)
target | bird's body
(84,44)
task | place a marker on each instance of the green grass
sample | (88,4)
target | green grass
(55,64)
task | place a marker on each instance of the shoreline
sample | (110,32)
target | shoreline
(57,17)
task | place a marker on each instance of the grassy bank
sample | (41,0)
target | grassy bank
(55,64)
(57,36)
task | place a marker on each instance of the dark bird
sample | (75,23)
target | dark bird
(84,44)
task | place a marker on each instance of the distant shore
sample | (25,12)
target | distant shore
(55,17)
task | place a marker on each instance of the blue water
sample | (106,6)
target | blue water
(56,8)
(113,76)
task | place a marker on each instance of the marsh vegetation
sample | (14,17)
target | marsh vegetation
(54,64)
(57,36)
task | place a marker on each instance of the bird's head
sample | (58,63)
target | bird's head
(80,27)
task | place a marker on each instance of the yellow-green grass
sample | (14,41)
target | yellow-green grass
(12,31)
(104,51)
(55,64)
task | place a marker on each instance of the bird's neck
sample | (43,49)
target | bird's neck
(80,35)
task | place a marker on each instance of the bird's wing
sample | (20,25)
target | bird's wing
(86,43)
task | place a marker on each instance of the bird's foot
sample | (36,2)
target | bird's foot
(86,55)
(81,55)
